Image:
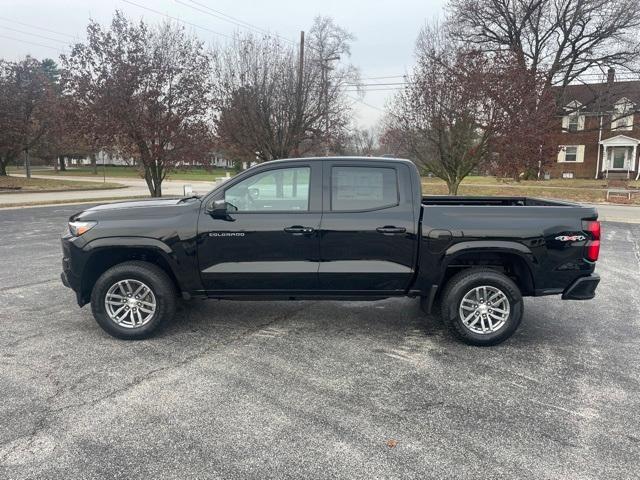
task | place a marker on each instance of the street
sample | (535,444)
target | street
(312,389)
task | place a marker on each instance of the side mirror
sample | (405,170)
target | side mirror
(218,209)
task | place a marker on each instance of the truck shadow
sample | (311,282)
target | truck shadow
(389,320)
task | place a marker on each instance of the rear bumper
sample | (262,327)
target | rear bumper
(583,288)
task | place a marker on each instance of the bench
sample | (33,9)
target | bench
(619,191)
(619,188)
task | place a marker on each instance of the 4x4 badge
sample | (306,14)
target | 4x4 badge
(571,238)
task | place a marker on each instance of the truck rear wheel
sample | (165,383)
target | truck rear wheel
(133,299)
(482,306)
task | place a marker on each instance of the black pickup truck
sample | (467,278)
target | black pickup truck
(331,228)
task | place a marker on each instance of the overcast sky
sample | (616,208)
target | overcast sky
(385,31)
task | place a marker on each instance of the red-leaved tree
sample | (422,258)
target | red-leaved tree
(145,92)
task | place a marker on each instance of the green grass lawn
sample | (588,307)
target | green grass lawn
(131,172)
(590,191)
(22,184)
(578,190)
(556,182)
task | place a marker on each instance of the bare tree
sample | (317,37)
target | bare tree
(442,118)
(147,92)
(27,100)
(561,39)
(524,120)
(267,107)
(360,142)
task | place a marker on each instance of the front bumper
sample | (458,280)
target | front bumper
(72,267)
(583,288)
(63,278)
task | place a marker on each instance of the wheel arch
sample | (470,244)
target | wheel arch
(512,258)
(105,253)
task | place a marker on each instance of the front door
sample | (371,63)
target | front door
(368,241)
(269,241)
(619,157)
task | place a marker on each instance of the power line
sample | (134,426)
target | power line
(390,89)
(249,25)
(176,19)
(384,78)
(34,34)
(236,23)
(32,43)
(365,103)
(379,84)
(38,28)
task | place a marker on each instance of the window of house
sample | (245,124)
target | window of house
(622,117)
(283,189)
(574,122)
(363,188)
(570,154)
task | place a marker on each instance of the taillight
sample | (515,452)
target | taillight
(592,247)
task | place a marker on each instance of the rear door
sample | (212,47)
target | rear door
(368,235)
(269,243)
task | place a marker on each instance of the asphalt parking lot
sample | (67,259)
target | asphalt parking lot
(312,389)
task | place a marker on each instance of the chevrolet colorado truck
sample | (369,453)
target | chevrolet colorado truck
(331,228)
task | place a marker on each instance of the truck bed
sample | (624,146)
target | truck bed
(488,201)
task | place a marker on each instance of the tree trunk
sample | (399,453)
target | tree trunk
(153,177)
(56,164)
(27,163)
(3,167)
(63,164)
(94,163)
(453,187)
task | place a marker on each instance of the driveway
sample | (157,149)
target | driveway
(312,389)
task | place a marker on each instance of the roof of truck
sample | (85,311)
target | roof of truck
(340,158)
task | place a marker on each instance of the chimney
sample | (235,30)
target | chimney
(611,76)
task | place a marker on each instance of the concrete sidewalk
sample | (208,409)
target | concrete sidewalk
(134,187)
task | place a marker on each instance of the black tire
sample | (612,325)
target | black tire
(462,283)
(155,278)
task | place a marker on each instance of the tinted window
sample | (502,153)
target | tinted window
(284,189)
(363,188)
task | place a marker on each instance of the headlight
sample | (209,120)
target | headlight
(78,228)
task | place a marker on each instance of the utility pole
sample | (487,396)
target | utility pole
(324,69)
(300,71)
(299,90)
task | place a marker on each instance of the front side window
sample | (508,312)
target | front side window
(570,154)
(363,188)
(282,190)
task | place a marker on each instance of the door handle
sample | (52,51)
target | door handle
(299,230)
(390,230)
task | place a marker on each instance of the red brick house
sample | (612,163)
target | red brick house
(598,130)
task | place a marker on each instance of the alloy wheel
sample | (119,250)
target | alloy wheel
(484,309)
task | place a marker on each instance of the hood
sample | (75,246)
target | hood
(153,207)
(145,203)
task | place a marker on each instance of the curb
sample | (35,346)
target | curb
(63,190)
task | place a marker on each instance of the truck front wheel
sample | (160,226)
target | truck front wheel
(482,306)
(132,299)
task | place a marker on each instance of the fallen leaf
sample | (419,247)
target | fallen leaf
(391,443)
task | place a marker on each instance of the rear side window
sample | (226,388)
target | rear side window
(363,188)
